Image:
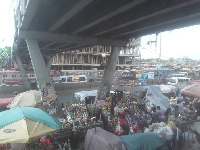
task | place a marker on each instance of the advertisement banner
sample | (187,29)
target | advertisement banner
(75,78)
(47,92)
(150,75)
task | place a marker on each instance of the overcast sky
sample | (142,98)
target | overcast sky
(7,23)
(176,43)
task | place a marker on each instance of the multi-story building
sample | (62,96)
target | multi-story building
(184,61)
(96,57)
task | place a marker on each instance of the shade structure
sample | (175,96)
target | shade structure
(30,98)
(143,141)
(101,139)
(25,124)
(192,90)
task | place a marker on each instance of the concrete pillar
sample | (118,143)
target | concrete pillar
(49,63)
(107,80)
(27,83)
(42,74)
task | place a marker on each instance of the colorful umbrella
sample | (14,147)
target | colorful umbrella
(25,124)
(30,98)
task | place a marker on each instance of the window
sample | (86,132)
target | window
(172,80)
(81,78)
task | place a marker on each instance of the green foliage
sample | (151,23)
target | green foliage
(5,52)
(68,104)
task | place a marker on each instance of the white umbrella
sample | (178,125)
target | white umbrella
(30,98)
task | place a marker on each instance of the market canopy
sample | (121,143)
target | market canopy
(192,90)
(139,141)
(25,124)
(102,140)
(155,96)
(30,98)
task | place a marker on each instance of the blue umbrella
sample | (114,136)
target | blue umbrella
(23,124)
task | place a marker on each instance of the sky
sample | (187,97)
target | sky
(7,23)
(176,43)
(184,42)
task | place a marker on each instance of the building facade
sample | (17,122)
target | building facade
(96,57)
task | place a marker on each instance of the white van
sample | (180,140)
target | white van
(80,96)
(176,80)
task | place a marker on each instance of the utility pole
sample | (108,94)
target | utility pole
(160,49)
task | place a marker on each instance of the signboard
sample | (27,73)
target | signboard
(150,75)
(75,78)
(159,67)
(138,75)
(47,92)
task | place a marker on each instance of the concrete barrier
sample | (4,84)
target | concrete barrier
(71,86)
(59,87)
(11,89)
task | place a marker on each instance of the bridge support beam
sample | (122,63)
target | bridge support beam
(49,62)
(44,81)
(27,83)
(109,72)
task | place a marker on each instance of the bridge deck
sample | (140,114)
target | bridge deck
(63,25)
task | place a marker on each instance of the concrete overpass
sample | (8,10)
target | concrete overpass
(47,27)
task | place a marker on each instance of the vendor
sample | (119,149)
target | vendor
(185,99)
(180,107)
(174,118)
(161,115)
(154,115)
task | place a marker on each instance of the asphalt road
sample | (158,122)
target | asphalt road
(68,96)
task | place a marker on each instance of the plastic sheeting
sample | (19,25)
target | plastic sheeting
(142,141)
(155,96)
(167,88)
(102,140)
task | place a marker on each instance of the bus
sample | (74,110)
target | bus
(73,79)
(178,80)
(13,77)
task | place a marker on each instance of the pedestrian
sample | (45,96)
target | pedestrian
(161,115)
(180,107)
(154,115)
(16,93)
(168,113)
(177,92)
(185,100)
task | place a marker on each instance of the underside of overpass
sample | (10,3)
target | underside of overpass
(64,25)
(98,22)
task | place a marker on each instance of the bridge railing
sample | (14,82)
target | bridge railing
(188,126)
(20,7)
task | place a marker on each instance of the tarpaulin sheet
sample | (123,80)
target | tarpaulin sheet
(155,96)
(143,141)
(102,140)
